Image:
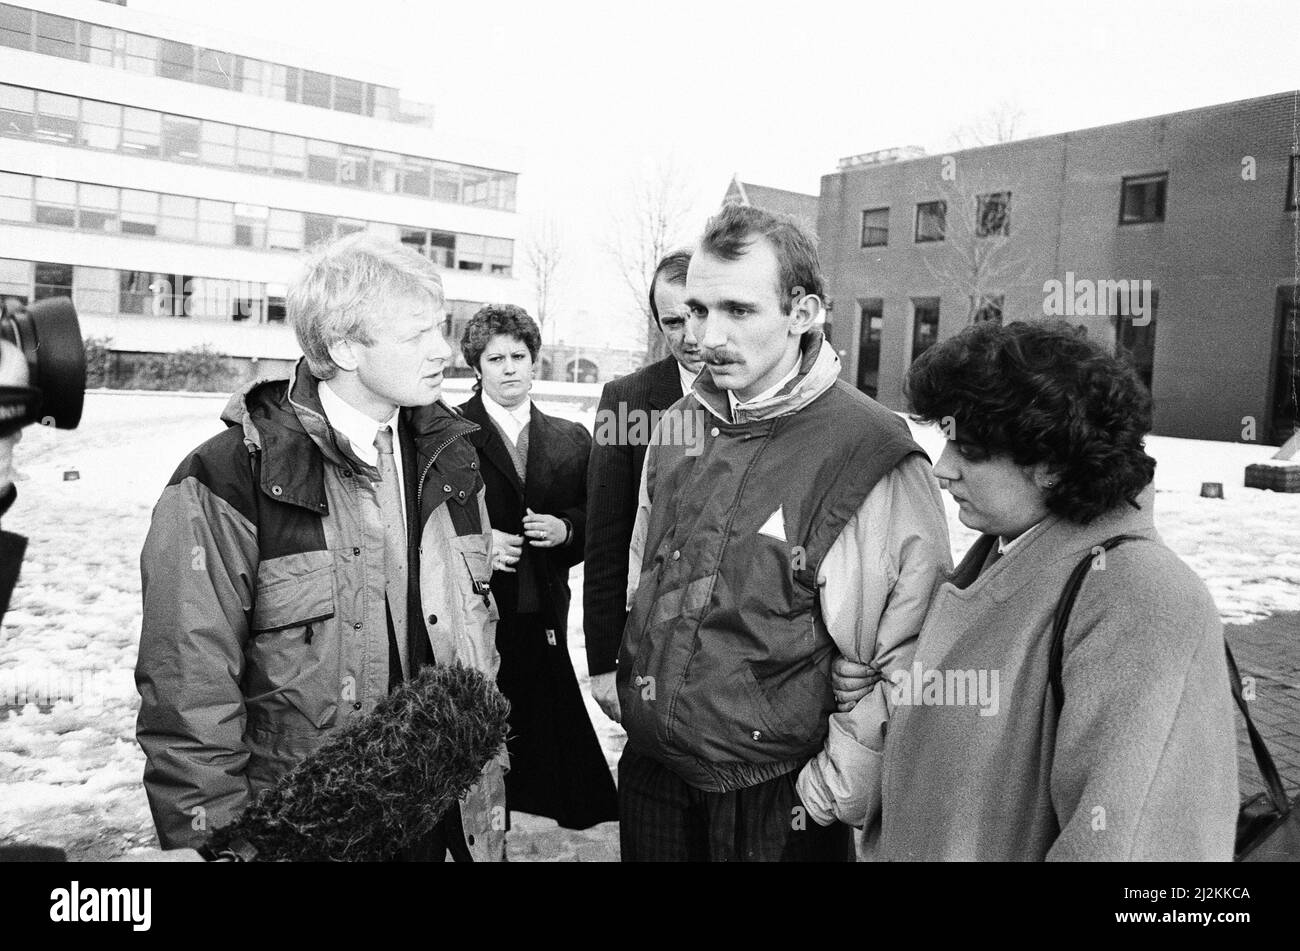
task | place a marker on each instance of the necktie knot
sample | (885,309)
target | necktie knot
(384,440)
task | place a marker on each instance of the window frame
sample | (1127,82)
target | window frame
(1158,178)
(942,205)
(862,237)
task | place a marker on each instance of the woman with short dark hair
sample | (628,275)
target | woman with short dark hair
(535,469)
(1123,746)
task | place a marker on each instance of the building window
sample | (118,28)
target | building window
(417,239)
(317,228)
(97,208)
(875,227)
(134,293)
(285,230)
(17,111)
(250,225)
(289,156)
(95,290)
(142,131)
(217,144)
(56,119)
(15,27)
(315,89)
(925,324)
(1293,185)
(56,36)
(322,161)
(986,308)
(446,182)
(354,167)
(871,329)
(499,255)
(416,176)
(180,138)
(139,212)
(101,125)
(347,226)
(1138,344)
(931,217)
(1142,199)
(56,203)
(179,217)
(1286,362)
(993,214)
(385,168)
(471,250)
(15,197)
(176,61)
(102,45)
(52,280)
(254,152)
(142,54)
(349,95)
(216,222)
(215,68)
(442,248)
(15,284)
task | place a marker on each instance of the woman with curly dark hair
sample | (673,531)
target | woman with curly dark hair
(535,469)
(1117,742)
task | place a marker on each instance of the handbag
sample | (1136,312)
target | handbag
(1268,826)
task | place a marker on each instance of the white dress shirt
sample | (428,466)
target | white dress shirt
(687,378)
(361,431)
(511,421)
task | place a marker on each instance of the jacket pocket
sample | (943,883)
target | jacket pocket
(293,654)
(788,722)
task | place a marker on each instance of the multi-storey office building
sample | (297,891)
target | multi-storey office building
(167,177)
(1174,239)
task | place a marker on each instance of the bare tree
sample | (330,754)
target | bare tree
(544,256)
(651,222)
(1005,122)
(975,257)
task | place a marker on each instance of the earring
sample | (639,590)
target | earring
(1048,484)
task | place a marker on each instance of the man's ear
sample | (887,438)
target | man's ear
(805,312)
(344,355)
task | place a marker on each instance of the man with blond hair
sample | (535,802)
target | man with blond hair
(326,546)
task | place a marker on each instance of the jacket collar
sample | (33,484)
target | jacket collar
(819,368)
(1048,543)
(285,420)
(490,442)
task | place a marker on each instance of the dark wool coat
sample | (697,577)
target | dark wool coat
(557,768)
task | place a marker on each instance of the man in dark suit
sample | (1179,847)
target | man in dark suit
(614,472)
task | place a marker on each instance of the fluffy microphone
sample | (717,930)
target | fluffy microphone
(381,782)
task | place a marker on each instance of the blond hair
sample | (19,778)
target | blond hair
(347,286)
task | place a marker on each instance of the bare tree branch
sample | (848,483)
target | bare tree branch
(544,256)
(975,256)
(1005,122)
(651,222)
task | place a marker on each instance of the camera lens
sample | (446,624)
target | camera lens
(49,336)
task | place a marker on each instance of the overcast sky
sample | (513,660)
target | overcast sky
(593,93)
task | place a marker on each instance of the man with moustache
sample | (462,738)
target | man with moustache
(325,547)
(808,525)
(614,473)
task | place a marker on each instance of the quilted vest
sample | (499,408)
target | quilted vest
(724,670)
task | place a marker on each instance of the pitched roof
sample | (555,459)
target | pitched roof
(799,206)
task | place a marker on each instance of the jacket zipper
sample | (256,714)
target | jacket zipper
(419,492)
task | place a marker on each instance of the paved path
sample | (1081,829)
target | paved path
(1269,651)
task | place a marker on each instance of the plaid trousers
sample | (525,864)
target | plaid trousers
(662,819)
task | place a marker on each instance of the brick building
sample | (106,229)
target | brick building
(1173,238)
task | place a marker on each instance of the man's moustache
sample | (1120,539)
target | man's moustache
(715,358)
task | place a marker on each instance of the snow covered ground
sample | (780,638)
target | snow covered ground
(71,776)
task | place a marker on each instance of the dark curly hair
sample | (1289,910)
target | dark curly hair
(494,319)
(1042,392)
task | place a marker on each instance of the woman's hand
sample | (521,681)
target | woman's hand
(852,681)
(544,531)
(506,550)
